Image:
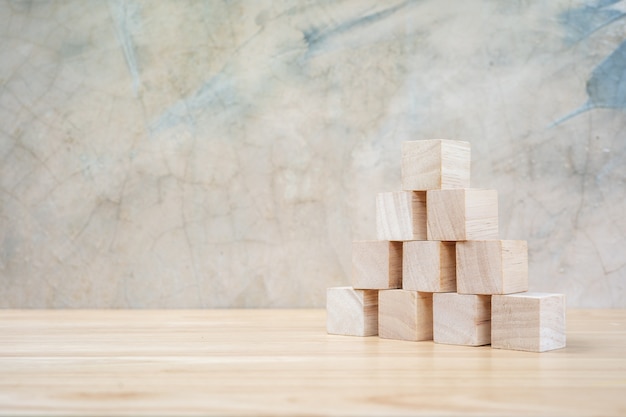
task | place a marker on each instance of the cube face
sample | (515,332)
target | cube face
(552,322)
(405,315)
(421,165)
(401,215)
(481,214)
(435,164)
(460,319)
(455,164)
(464,214)
(376,264)
(515,265)
(533,322)
(351,312)
(492,266)
(429,266)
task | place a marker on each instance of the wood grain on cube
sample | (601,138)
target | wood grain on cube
(435,164)
(405,315)
(429,266)
(376,264)
(455,164)
(401,215)
(461,319)
(351,312)
(532,322)
(492,266)
(481,214)
(463,214)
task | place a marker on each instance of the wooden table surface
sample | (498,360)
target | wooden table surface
(282,362)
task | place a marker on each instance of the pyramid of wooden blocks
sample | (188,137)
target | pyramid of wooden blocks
(401,215)
(405,315)
(351,312)
(466,214)
(429,266)
(462,319)
(492,266)
(533,322)
(435,164)
(439,270)
(376,264)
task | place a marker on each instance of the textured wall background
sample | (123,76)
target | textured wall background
(225,154)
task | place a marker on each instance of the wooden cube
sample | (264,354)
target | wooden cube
(376,264)
(491,266)
(429,266)
(405,315)
(351,312)
(533,322)
(401,215)
(465,214)
(435,164)
(460,319)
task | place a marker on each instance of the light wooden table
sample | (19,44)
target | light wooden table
(282,362)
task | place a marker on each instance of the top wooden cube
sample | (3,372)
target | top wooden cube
(435,164)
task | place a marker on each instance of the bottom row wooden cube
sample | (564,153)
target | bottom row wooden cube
(351,312)
(462,319)
(533,322)
(405,315)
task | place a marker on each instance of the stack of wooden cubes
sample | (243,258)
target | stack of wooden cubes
(438,270)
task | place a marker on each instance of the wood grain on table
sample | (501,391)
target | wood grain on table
(282,362)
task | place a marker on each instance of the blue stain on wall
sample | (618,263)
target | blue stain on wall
(125,16)
(219,93)
(583,21)
(606,87)
(316,36)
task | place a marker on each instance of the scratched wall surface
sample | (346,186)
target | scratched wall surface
(225,154)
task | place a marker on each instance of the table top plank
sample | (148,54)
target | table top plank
(282,362)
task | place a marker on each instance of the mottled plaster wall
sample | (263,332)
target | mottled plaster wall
(225,154)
